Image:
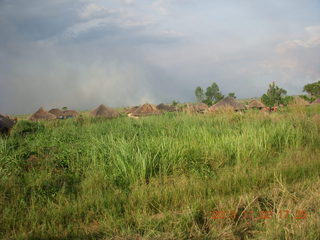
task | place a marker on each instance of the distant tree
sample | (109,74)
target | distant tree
(174,103)
(307,98)
(199,94)
(274,95)
(313,89)
(65,108)
(232,94)
(208,101)
(213,93)
(287,100)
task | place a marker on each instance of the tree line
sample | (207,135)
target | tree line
(274,95)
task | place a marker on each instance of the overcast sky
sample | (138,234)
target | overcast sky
(81,53)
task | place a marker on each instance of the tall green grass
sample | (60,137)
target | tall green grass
(160,177)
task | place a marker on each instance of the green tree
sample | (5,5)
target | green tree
(199,94)
(287,100)
(232,94)
(208,101)
(64,108)
(174,103)
(265,100)
(213,93)
(274,95)
(307,98)
(313,89)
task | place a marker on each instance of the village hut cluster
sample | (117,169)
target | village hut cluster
(54,113)
(103,111)
(227,103)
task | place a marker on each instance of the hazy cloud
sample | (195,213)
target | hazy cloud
(124,52)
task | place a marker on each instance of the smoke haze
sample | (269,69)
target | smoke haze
(83,53)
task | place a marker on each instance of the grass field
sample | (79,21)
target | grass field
(163,177)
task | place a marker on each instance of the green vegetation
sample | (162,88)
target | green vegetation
(161,177)
(274,96)
(211,96)
(232,94)
(174,103)
(199,94)
(313,89)
(307,98)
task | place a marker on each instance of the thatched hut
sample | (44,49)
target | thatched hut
(299,101)
(41,114)
(189,108)
(69,114)
(14,119)
(104,112)
(56,111)
(5,124)
(131,109)
(145,110)
(201,107)
(165,108)
(178,108)
(317,101)
(227,103)
(256,104)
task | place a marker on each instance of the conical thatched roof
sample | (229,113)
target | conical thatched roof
(56,111)
(14,119)
(317,101)
(131,109)
(300,101)
(104,111)
(69,114)
(201,107)
(41,114)
(227,102)
(5,124)
(189,108)
(145,110)
(164,107)
(256,104)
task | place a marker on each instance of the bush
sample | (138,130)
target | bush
(24,127)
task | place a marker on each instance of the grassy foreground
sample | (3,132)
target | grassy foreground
(162,177)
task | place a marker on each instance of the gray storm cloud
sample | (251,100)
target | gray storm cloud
(83,53)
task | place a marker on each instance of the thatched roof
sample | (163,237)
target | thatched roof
(41,114)
(227,102)
(145,110)
(189,108)
(300,101)
(201,107)
(69,114)
(5,124)
(164,107)
(131,109)
(104,111)
(56,111)
(317,101)
(256,104)
(14,119)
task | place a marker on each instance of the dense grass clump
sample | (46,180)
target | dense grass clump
(161,177)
